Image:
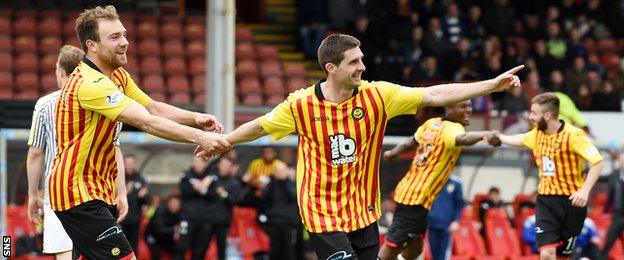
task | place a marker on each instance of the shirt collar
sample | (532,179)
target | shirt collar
(319,93)
(91,64)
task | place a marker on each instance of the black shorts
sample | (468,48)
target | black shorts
(408,223)
(93,228)
(557,222)
(361,244)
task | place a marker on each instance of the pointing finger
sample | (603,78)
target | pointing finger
(514,70)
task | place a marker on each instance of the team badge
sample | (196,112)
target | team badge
(556,145)
(358,113)
(115,251)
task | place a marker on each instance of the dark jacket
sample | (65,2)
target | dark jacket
(135,204)
(279,202)
(163,223)
(616,193)
(448,206)
(194,204)
(220,206)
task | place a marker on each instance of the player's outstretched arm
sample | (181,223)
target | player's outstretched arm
(34,170)
(203,121)
(580,197)
(511,140)
(247,132)
(473,137)
(446,94)
(120,186)
(409,144)
(138,116)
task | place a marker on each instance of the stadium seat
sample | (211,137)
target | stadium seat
(173,48)
(175,66)
(50,44)
(247,68)
(476,205)
(467,241)
(5,24)
(199,99)
(50,26)
(195,30)
(151,64)
(69,28)
(153,83)
(274,86)
(244,34)
(177,84)
(245,51)
(198,83)
(268,52)
(171,29)
(26,62)
(7,61)
(147,29)
(273,100)
(520,218)
(5,43)
(25,25)
(294,70)
(27,81)
(25,44)
(244,220)
(31,94)
(296,83)
(500,237)
(48,82)
(249,85)
(197,66)
(150,47)
(133,64)
(196,48)
(73,40)
(48,62)
(180,98)
(158,96)
(6,80)
(270,68)
(606,45)
(610,60)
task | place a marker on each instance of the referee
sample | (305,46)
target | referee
(41,152)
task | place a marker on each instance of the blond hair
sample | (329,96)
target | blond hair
(69,58)
(87,23)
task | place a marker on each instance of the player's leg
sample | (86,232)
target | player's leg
(55,239)
(409,223)
(615,230)
(435,243)
(332,245)
(187,229)
(413,249)
(201,239)
(92,226)
(572,226)
(365,242)
(550,214)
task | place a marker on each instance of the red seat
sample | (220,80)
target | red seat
(501,238)
(50,44)
(25,44)
(69,28)
(5,43)
(48,62)
(5,24)
(197,66)
(31,94)
(252,100)
(48,82)
(177,84)
(153,83)
(7,61)
(268,52)
(610,60)
(171,29)
(250,85)
(6,81)
(147,29)
(27,81)
(199,99)
(195,30)
(50,26)
(198,84)
(607,45)
(467,241)
(244,34)
(295,70)
(173,48)
(150,47)
(270,68)
(273,100)
(151,64)
(133,63)
(476,205)
(175,66)
(158,96)
(247,68)
(180,98)
(245,51)
(603,222)
(196,48)
(26,62)
(295,83)
(274,86)
(25,25)
(73,40)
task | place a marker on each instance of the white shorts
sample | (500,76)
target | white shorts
(55,239)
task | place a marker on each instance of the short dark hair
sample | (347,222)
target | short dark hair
(549,101)
(494,190)
(69,58)
(333,47)
(87,23)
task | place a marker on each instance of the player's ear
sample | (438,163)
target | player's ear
(330,67)
(92,45)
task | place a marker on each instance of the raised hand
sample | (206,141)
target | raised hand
(211,144)
(208,122)
(493,138)
(508,79)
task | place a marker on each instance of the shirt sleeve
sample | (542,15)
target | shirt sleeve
(450,133)
(529,139)
(581,145)
(399,100)
(132,90)
(37,128)
(279,122)
(105,99)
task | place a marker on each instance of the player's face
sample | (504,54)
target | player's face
(113,43)
(268,154)
(460,112)
(537,117)
(349,71)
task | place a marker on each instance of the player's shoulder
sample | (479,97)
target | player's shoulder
(300,93)
(365,84)
(42,102)
(435,122)
(573,129)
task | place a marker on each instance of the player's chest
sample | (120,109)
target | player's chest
(553,145)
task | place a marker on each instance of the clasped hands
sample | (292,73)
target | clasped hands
(493,138)
(212,142)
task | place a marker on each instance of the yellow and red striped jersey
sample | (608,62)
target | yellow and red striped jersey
(560,158)
(259,168)
(339,150)
(433,162)
(84,167)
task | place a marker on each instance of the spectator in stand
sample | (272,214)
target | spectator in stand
(557,82)
(557,47)
(444,218)
(545,63)
(553,15)
(474,26)
(593,64)
(392,64)
(362,31)
(428,70)
(138,196)
(576,48)
(577,74)
(459,57)
(313,23)
(533,30)
(341,14)
(163,230)
(616,199)
(452,24)
(606,99)
(428,9)
(493,200)
(587,242)
(514,103)
(583,98)
(499,18)
(434,42)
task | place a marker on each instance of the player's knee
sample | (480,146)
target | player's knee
(548,253)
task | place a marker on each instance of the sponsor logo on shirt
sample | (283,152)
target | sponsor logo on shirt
(114,98)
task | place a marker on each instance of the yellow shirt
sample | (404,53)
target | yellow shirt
(560,157)
(84,167)
(339,150)
(433,162)
(260,168)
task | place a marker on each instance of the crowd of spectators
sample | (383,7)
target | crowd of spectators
(419,43)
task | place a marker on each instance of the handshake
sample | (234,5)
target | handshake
(493,138)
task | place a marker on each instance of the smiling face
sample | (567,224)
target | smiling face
(112,45)
(348,73)
(460,112)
